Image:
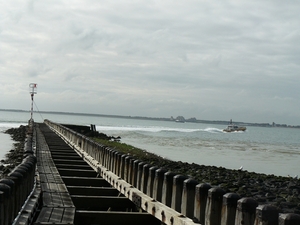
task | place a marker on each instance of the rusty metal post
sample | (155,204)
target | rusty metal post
(188,197)
(245,214)
(200,202)
(229,208)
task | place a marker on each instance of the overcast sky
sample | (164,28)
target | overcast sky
(214,60)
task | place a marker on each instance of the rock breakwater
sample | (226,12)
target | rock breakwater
(283,192)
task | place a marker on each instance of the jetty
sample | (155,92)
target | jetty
(67,178)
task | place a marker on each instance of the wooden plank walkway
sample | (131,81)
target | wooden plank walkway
(73,193)
(57,205)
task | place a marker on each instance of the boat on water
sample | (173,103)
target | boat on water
(232,128)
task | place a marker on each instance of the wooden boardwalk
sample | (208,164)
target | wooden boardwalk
(73,193)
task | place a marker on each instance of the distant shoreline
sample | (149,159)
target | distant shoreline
(191,120)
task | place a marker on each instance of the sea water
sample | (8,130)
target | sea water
(258,149)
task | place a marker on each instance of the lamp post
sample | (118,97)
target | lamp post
(32,91)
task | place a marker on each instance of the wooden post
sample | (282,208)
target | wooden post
(135,172)
(289,219)
(122,166)
(245,213)
(140,175)
(151,181)
(177,192)
(5,204)
(167,188)
(112,161)
(18,179)
(266,215)
(127,168)
(214,206)
(118,157)
(188,197)
(145,177)
(11,207)
(23,190)
(158,183)
(200,202)
(229,208)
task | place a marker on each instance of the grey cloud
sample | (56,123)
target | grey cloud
(211,60)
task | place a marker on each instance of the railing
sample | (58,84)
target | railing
(172,198)
(19,184)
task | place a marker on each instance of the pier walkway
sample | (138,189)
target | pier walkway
(73,193)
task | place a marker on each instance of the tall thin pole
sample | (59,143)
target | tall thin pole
(32,91)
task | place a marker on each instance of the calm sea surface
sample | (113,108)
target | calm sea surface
(262,150)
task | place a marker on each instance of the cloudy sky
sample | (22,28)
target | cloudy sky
(213,60)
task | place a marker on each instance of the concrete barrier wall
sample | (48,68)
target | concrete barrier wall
(198,201)
(15,188)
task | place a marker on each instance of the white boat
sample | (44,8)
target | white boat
(232,128)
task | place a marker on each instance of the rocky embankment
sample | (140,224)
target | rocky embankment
(283,192)
(15,156)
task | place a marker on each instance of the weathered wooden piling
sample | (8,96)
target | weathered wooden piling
(11,207)
(201,195)
(246,208)
(150,181)
(158,183)
(167,191)
(229,208)
(188,197)
(140,176)
(214,206)
(135,171)
(289,219)
(5,204)
(145,177)
(266,215)
(177,191)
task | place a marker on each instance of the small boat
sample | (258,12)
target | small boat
(232,128)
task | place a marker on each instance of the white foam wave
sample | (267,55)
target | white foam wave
(213,130)
(155,129)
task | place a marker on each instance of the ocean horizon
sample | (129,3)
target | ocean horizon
(259,149)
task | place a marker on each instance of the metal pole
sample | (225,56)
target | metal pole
(32,87)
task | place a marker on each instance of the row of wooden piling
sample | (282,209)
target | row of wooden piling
(199,201)
(15,188)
